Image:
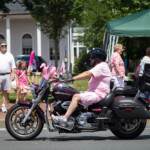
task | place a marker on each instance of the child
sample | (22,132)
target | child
(21,80)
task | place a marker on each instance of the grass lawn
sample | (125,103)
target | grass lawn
(81,85)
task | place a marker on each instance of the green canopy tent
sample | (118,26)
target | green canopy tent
(135,25)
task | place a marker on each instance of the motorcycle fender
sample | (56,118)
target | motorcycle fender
(38,109)
(127,107)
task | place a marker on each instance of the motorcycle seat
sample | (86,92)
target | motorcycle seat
(130,91)
(106,101)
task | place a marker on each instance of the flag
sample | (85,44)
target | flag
(30,66)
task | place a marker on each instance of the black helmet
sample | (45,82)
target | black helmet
(98,54)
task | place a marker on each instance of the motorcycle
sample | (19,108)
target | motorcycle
(122,111)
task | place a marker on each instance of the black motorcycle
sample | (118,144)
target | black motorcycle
(122,111)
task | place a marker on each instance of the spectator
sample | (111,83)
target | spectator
(145,60)
(7,73)
(21,79)
(140,69)
(117,66)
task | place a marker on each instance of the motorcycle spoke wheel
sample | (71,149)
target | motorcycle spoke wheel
(23,131)
(129,125)
(129,128)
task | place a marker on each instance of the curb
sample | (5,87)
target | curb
(2,123)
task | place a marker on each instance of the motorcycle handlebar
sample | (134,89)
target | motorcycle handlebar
(61,80)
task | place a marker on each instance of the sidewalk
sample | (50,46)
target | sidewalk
(8,106)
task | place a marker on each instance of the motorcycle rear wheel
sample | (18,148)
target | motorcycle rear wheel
(129,128)
(26,131)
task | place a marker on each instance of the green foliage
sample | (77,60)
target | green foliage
(98,12)
(95,15)
(122,8)
(12,96)
(80,85)
(3,6)
(82,63)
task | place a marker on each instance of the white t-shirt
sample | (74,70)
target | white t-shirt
(7,62)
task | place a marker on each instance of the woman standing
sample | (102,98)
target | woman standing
(117,66)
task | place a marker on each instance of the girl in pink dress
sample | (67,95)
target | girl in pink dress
(22,79)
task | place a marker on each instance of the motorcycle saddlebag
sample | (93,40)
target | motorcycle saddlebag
(127,107)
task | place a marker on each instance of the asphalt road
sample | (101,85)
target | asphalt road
(104,140)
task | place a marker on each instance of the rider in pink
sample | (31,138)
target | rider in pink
(98,85)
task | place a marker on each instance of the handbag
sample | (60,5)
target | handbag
(13,84)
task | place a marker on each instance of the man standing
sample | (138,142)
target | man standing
(7,73)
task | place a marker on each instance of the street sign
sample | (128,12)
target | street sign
(65,48)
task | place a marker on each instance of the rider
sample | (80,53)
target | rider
(99,83)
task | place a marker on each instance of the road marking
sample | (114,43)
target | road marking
(2,129)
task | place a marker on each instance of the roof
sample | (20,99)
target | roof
(135,25)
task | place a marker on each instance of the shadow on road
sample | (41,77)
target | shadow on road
(83,138)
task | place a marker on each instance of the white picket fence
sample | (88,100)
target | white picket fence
(35,77)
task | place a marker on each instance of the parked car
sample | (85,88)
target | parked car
(39,60)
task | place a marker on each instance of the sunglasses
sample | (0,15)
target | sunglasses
(3,45)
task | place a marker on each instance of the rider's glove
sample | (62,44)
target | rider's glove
(69,80)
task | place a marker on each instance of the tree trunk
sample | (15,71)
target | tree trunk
(56,51)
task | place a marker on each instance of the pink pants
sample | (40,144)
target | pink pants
(88,98)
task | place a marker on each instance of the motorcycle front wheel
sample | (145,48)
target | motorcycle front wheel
(27,131)
(129,128)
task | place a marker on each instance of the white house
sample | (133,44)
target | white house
(22,35)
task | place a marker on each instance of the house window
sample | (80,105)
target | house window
(75,43)
(80,44)
(26,44)
(2,38)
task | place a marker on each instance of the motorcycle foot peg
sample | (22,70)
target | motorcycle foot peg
(51,129)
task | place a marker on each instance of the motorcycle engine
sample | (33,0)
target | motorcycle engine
(82,119)
(65,105)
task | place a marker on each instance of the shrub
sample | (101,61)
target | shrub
(82,63)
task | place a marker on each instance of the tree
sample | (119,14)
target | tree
(54,16)
(3,5)
(95,15)
(122,8)
(98,12)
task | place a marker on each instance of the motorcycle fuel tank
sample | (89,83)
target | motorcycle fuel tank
(64,92)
